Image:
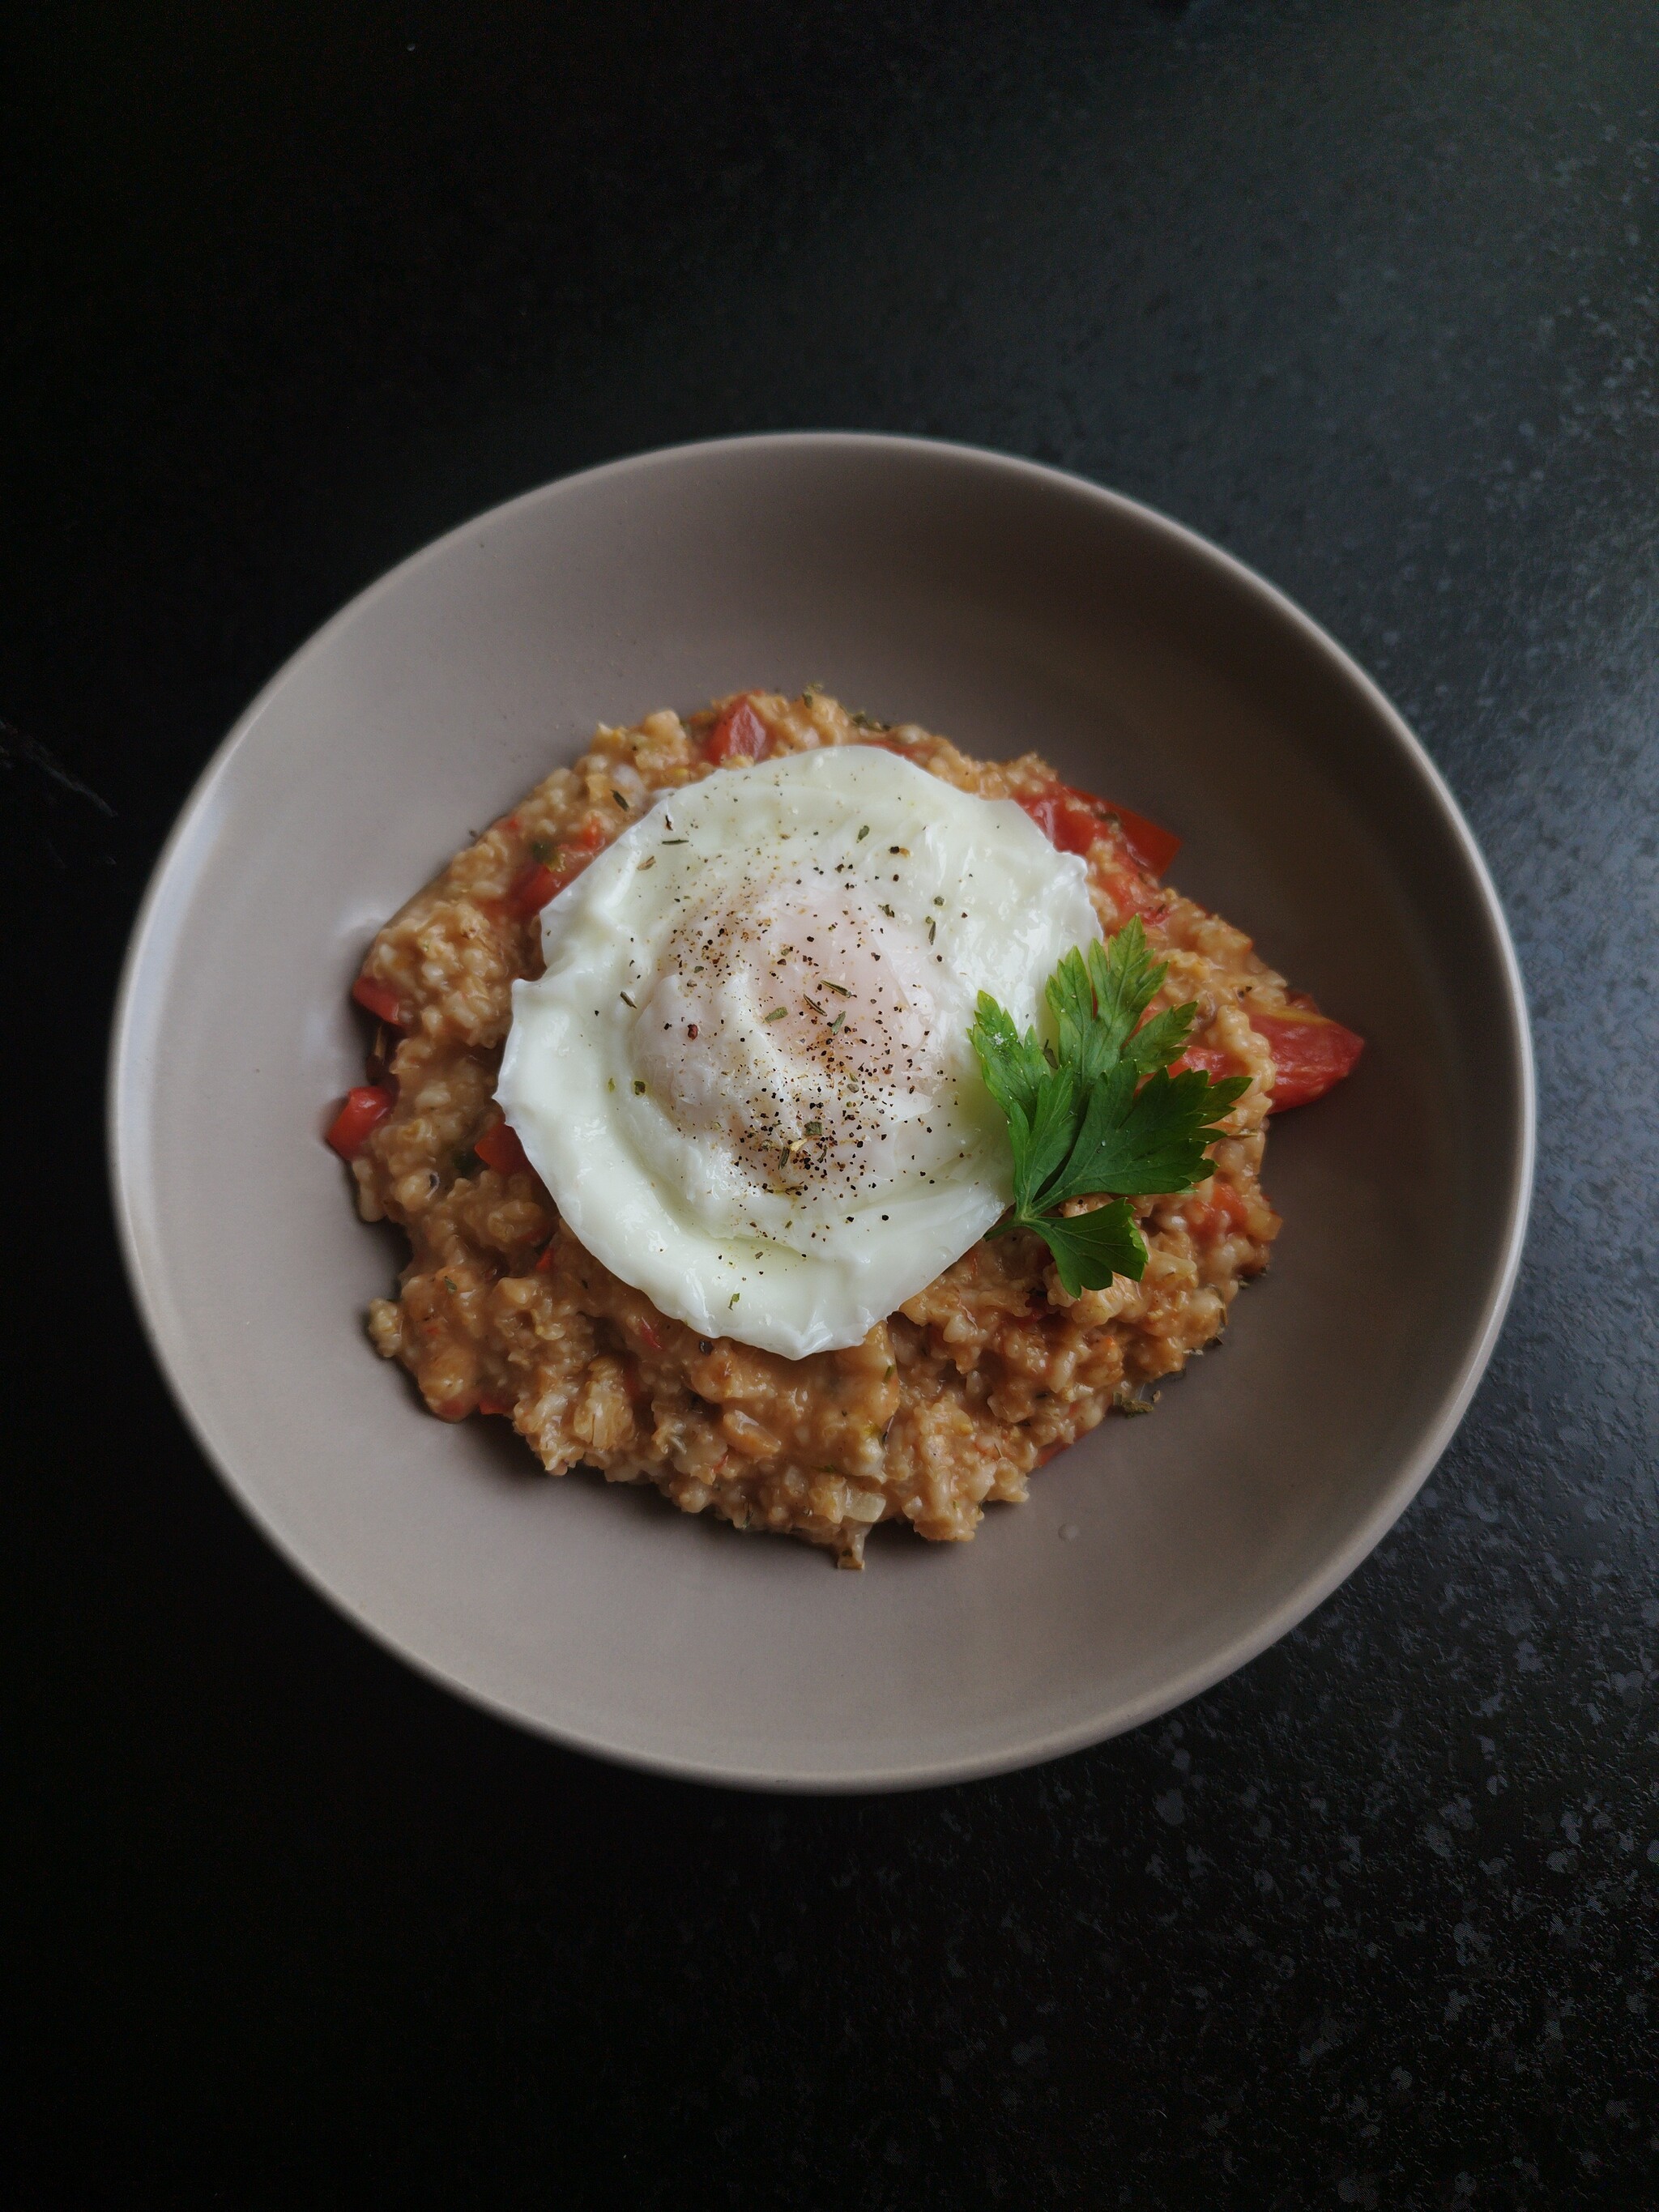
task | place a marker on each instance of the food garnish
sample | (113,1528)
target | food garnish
(1097,1114)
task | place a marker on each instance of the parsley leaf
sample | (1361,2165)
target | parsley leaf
(1094,1247)
(1097,1114)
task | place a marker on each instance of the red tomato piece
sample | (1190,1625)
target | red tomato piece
(650,1336)
(1311,1055)
(1208,1059)
(494,1406)
(1073,821)
(1151,846)
(546,1259)
(1223,1212)
(532,887)
(362,1113)
(499,1148)
(379,999)
(1068,819)
(1132,893)
(1230,1202)
(739,735)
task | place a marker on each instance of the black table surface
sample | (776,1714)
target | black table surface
(1365,289)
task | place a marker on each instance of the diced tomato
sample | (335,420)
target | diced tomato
(494,1406)
(546,1259)
(379,999)
(1073,821)
(649,1335)
(1132,893)
(536,882)
(1151,844)
(1311,1054)
(1208,1059)
(532,887)
(739,735)
(362,1113)
(1068,819)
(499,1148)
(1233,1203)
(1219,1214)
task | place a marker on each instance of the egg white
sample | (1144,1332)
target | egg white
(745,1077)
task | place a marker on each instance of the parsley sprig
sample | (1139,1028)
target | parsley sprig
(1098,1113)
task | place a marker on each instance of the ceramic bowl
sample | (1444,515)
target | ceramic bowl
(1011,608)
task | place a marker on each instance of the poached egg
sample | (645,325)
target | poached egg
(745,1076)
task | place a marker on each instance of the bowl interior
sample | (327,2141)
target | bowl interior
(1010,608)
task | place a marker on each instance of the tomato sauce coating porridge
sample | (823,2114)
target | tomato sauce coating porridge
(948,1404)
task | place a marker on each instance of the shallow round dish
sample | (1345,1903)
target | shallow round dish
(1011,608)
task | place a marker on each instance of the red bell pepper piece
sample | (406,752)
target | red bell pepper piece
(739,735)
(499,1148)
(362,1113)
(381,1000)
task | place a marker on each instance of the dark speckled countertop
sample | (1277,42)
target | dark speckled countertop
(1366,289)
